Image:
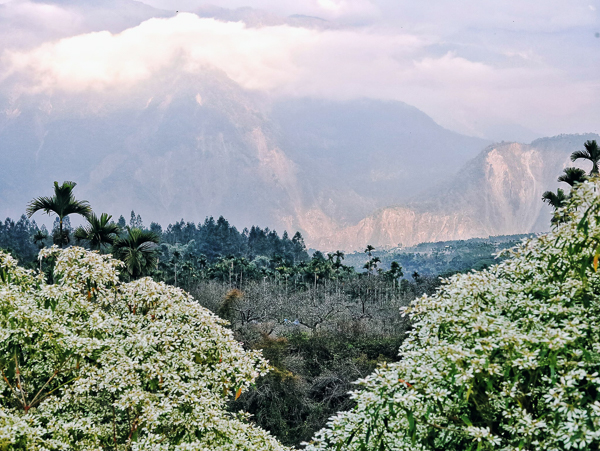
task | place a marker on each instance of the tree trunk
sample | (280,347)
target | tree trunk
(60,228)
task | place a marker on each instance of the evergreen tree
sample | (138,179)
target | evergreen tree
(62,203)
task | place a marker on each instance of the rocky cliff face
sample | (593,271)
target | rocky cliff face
(497,193)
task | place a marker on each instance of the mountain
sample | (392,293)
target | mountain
(497,193)
(200,146)
(356,156)
(193,146)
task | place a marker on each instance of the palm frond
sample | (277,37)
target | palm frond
(580,155)
(591,153)
(63,203)
(573,176)
(137,249)
(80,233)
(41,203)
(592,148)
(556,200)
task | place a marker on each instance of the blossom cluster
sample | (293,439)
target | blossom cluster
(90,363)
(503,359)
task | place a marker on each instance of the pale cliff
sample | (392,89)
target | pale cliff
(497,193)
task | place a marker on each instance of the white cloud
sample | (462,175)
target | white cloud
(279,58)
(255,58)
(513,85)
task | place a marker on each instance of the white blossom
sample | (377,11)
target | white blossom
(90,363)
(503,359)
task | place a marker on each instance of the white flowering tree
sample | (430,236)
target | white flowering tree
(89,363)
(503,359)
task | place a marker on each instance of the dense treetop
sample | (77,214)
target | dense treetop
(89,362)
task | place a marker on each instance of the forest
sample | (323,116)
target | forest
(320,323)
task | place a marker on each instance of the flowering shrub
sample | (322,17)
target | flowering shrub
(503,359)
(89,363)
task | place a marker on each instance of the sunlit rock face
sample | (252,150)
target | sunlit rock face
(497,193)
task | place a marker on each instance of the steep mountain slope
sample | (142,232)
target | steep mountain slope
(197,146)
(179,153)
(376,151)
(497,193)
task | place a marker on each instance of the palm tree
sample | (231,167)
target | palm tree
(339,256)
(63,203)
(138,250)
(394,273)
(557,201)
(591,153)
(573,176)
(99,232)
(39,237)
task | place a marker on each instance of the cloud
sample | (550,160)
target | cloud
(460,90)
(279,58)
(255,58)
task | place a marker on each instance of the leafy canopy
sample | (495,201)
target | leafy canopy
(90,363)
(503,359)
(99,232)
(138,249)
(62,203)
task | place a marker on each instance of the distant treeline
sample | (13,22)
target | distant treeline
(443,258)
(217,250)
(211,239)
(215,239)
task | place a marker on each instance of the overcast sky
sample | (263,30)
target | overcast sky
(500,69)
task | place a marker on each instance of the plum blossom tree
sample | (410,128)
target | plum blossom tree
(92,363)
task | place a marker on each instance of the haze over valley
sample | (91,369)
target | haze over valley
(198,125)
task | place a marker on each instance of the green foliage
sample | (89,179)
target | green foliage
(311,378)
(505,358)
(591,154)
(138,249)
(16,237)
(440,258)
(318,340)
(218,239)
(99,233)
(62,203)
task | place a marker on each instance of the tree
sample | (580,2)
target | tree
(62,203)
(505,358)
(339,256)
(591,153)
(93,363)
(138,249)
(572,176)
(135,222)
(394,273)
(40,236)
(556,201)
(99,232)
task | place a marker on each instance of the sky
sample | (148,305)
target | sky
(510,69)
